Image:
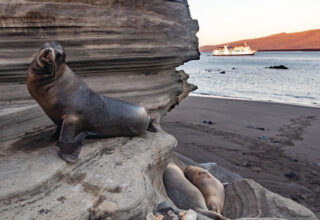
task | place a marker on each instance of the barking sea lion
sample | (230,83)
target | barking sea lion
(77,110)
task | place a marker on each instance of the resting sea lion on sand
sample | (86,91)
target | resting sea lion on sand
(210,187)
(77,110)
(184,194)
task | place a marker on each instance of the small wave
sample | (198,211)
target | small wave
(298,96)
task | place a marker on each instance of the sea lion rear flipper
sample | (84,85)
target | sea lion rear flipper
(212,214)
(152,128)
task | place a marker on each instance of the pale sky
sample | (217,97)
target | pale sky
(223,21)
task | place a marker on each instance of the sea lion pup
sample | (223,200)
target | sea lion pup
(184,194)
(77,110)
(210,187)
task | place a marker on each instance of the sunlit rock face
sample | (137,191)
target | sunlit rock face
(246,199)
(127,49)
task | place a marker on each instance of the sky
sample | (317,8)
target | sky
(223,21)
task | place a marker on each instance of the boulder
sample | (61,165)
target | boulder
(246,199)
(221,173)
(280,67)
(119,178)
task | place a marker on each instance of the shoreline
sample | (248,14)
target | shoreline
(275,144)
(252,100)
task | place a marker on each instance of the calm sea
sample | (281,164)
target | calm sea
(247,78)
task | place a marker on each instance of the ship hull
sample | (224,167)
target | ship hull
(227,55)
(234,51)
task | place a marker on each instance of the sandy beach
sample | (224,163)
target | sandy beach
(277,145)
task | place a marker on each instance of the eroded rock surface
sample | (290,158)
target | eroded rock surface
(246,199)
(123,49)
(119,178)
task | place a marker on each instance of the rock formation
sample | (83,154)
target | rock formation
(124,49)
(246,199)
(121,48)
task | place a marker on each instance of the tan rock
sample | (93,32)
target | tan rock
(247,199)
(118,178)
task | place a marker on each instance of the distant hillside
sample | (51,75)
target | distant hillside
(307,40)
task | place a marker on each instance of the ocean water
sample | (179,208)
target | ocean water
(247,78)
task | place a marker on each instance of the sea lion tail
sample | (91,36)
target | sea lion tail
(152,128)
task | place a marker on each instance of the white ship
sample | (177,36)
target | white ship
(234,51)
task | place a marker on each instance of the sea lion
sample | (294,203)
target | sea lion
(210,187)
(184,194)
(77,110)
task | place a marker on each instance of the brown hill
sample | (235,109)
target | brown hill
(306,40)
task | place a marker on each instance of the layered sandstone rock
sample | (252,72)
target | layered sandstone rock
(248,200)
(121,48)
(119,178)
(124,49)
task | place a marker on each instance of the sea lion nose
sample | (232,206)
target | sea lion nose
(47,51)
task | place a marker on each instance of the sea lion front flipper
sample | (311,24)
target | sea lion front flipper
(212,214)
(152,128)
(69,144)
(73,152)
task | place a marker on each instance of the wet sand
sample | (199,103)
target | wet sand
(277,145)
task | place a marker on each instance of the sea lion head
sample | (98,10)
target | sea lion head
(193,173)
(50,57)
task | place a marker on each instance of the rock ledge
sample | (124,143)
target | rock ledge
(119,178)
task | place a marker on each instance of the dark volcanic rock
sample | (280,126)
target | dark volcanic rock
(280,67)
(292,175)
